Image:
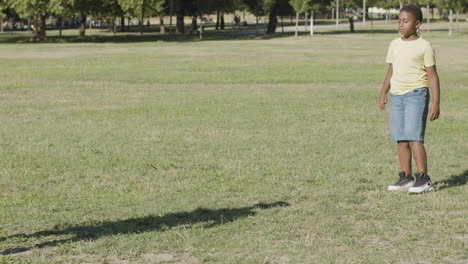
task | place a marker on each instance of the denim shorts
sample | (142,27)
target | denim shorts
(408,115)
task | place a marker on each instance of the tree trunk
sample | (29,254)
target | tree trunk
(297,24)
(142,17)
(201,29)
(364,11)
(272,20)
(256,24)
(312,22)
(337,12)
(114,25)
(180,27)
(162,27)
(222,21)
(217,19)
(122,24)
(171,13)
(170,24)
(1,24)
(451,22)
(194,25)
(305,20)
(82,28)
(428,17)
(282,25)
(111,23)
(39,30)
(60,21)
(458,14)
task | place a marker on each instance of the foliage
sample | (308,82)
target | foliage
(299,5)
(29,8)
(452,4)
(133,8)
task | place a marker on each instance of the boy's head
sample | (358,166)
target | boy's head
(410,19)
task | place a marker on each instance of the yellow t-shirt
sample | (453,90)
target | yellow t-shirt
(409,60)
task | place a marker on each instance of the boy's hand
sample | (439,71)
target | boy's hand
(434,112)
(383,101)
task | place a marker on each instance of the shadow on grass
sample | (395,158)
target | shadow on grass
(252,34)
(453,181)
(130,37)
(207,217)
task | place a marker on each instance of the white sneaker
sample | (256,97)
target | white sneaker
(423,184)
(403,184)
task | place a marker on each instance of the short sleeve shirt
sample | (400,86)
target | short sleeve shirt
(409,60)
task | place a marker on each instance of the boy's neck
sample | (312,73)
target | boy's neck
(410,37)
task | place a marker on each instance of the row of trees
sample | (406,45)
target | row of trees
(38,10)
(317,6)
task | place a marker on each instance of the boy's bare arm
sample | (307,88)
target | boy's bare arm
(385,87)
(434,110)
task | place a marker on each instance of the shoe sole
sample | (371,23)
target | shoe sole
(397,189)
(432,189)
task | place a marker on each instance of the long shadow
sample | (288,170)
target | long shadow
(240,33)
(453,181)
(131,37)
(208,217)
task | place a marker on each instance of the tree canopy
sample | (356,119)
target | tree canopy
(38,10)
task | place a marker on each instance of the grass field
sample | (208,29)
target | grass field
(225,151)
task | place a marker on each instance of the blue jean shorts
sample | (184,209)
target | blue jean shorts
(408,115)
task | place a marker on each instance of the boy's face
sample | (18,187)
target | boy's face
(408,25)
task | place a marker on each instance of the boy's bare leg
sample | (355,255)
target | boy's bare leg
(419,152)
(404,154)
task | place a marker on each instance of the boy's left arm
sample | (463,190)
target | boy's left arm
(433,77)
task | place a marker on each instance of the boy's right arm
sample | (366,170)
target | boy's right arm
(385,87)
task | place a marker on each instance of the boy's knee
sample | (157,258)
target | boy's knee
(402,143)
(416,143)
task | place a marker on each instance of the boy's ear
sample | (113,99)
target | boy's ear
(418,23)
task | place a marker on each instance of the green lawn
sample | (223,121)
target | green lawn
(260,150)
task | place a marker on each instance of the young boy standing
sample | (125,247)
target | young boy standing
(411,72)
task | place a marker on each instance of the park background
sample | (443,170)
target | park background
(245,146)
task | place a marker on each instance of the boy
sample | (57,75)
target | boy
(411,71)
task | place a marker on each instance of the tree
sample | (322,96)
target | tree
(316,6)
(272,8)
(298,6)
(255,7)
(38,10)
(449,5)
(221,7)
(183,8)
(285,9)
(2,15)
(460,6)
(142,9)
(84,8)
(111,11)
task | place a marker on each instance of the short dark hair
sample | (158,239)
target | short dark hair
(414,10)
